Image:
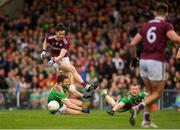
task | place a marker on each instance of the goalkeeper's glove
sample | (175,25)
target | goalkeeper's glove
(43,54)
(135,62)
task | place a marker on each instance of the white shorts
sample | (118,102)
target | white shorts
(64,59)
(153,70)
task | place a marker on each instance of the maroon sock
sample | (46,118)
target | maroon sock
(147,117)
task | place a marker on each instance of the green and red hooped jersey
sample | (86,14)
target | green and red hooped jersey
(58,93)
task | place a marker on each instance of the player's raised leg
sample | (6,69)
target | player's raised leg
(109,100)
(68,67)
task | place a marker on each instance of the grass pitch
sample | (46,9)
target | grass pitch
(39,119)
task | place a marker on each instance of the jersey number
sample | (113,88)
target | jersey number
(151,34)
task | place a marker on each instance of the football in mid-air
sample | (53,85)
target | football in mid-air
(53,106)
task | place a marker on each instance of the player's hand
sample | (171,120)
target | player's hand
(53,64)
(43,54)
(135,62)
(85,110)
(87,95)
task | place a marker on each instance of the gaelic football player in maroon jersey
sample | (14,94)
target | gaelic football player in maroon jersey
(58,45)
(154,35)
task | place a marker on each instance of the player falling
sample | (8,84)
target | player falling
(60,93)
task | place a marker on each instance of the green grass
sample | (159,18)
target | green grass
(32,119)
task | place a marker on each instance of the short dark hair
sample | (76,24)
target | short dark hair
(61,78)
(162,8)
(61,27)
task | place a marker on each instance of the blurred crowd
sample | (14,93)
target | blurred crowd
(100,31)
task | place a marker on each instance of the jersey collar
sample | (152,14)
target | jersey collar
(160,18)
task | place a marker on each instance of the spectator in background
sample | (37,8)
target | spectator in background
(35,99)
(24,98)
(44,97)
(3,84)
(10,99)
(23,83)
(2,100)
(118,61)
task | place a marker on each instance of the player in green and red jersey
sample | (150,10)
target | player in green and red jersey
(134,97)
(60,92)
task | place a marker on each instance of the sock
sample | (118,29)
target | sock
(141,106)
(147,117)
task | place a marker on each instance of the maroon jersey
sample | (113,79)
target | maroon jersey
(56,46)
(155,39)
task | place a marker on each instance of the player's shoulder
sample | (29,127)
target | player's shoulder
(159,22)
(166,23)
(51,36)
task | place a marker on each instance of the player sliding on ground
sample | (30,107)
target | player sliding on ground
(133,97)
(59,93)
(58,45)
